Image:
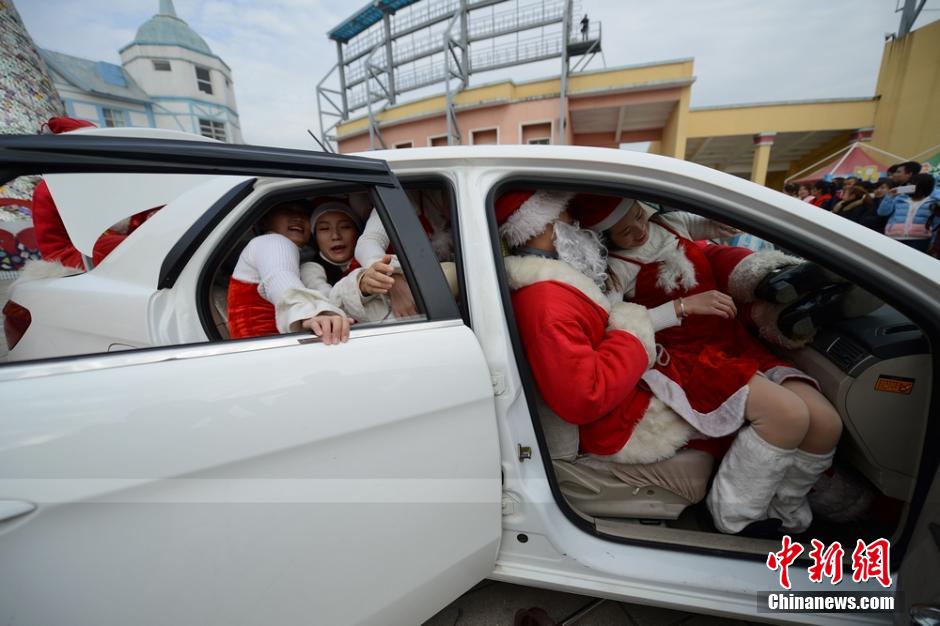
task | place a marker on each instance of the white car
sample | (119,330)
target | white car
(154,472)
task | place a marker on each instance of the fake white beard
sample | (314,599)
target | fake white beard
(581,249)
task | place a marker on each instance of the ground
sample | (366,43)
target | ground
(494,604)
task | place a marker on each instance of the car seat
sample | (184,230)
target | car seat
(660,490)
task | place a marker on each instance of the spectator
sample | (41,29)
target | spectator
(882,187)
(791,189)
(859,207)
(803,194)
(907,215)
(821,196)
(901,173)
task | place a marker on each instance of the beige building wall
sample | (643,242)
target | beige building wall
(907,121)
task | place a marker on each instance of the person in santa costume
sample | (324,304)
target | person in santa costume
(53,239)
(374,244)
(711,369)
(266,295)
(362,292)
(587,354)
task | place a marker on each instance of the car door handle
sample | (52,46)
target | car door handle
(10,509)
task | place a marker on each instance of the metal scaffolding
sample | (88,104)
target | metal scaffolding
(391,47)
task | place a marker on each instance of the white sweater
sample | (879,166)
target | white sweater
(272,262)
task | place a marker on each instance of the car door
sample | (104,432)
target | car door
(918,598)
(271,480)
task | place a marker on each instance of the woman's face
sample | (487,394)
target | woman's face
(292,221)
(802,192)
(336,236)
(632,230)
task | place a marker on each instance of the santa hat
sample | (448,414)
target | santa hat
(522,215)
(329,205)
(57,125)
(599,212)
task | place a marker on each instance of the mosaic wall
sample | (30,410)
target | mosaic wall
(27,96)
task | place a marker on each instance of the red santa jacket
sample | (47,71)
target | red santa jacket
(586,367)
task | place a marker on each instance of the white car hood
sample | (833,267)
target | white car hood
(91,203)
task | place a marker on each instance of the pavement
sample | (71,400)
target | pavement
(493,603)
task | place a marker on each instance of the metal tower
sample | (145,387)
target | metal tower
(391,47)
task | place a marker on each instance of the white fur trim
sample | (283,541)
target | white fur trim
(531,218)
(765,315)
(634,319)
(442,242)
(657,436)
(747,274)
(782,373)
(722,421)
(615,215)
(675,270)
(523,271)
(39,270)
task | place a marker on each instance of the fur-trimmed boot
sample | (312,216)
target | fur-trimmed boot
(746,481)
(789,503)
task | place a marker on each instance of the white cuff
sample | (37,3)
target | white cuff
(664,316)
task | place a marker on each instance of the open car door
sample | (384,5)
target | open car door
(918,598)
(272,480)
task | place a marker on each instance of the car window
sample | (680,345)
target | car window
(56,310)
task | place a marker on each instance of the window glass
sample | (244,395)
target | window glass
(212,128)
(161,66)
(203,80)
(113,118)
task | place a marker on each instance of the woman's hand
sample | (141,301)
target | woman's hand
(377,278)
(711,302)
(403,303)
(329,327)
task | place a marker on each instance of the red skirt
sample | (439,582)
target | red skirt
(249,315)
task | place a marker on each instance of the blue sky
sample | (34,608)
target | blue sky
(278,49)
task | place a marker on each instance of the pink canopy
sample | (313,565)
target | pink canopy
(854,161)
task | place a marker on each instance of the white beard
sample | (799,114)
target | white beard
(581,249)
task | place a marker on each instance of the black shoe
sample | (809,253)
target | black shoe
(762,529)
(787,284)
(804,317)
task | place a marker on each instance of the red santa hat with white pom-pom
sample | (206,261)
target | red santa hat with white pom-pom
(522,215)
(599,212)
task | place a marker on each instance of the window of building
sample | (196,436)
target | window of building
(488,136)
(212,128)
(204,80)
(440,140)
(162,66)
(113,118)
(405,144)
(540,133)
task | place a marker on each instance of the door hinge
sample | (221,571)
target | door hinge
(525,453)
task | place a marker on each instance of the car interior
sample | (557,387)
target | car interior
(871,362)
(431,202)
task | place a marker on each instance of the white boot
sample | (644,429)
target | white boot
(746,481)
(789,503)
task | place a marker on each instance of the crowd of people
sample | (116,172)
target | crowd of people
(904,206)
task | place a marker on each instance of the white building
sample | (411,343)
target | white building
(168,78)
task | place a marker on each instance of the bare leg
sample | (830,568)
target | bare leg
(777,414)
(825,425)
